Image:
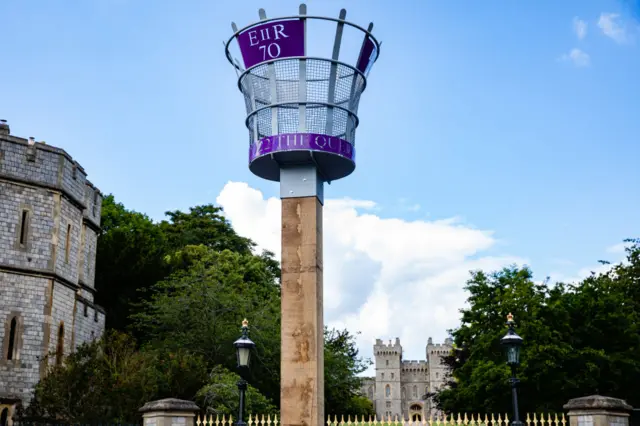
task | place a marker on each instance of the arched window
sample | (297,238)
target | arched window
(60,348)
(415,391)
(4,417)
(387,391)
(13,332)
(387,362)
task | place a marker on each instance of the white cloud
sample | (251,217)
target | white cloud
(385,278)
(577,57)
(618,248)
(580,28)
(610,26)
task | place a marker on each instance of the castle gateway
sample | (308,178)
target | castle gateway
(401,388)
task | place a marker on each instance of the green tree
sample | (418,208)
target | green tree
(220,396)
(109,380)
(579,339)
(201,308)
(604,312)
(480,375)
(203,225)
(342,364)
(133,252)
(129,257)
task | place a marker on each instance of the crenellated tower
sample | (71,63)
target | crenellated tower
(388,378)
(49,227)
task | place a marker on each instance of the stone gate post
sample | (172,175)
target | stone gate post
(597,410)
(169,412)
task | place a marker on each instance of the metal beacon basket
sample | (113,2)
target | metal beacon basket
(301,105)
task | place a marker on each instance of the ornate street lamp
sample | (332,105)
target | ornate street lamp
(512,344)
(243,345)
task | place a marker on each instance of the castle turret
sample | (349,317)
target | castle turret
(388,378)
(49,225)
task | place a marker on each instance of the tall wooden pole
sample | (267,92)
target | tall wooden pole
(302,356)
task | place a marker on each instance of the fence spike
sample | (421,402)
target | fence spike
(557,423)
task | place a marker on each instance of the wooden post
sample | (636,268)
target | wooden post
(302,357)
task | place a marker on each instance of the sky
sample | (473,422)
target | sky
(491,133)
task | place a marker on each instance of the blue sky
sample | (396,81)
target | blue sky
(475,109)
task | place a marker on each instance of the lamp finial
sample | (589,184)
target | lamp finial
(245,323)
(510,318)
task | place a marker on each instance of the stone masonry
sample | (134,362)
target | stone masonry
(49,225)
(400,388)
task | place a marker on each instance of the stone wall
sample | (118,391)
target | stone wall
(39,205)
(89,322)
(70,218)
(88,256)
(23,297)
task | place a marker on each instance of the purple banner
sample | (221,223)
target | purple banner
(368,54)
(277,39)
(301,142)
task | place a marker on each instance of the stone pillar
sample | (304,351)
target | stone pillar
(169,412)
(597,410)
(302,357)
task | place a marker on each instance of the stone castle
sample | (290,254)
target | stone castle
(401,388)
(49,225)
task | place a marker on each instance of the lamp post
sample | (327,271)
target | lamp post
(512,343)
(243,345)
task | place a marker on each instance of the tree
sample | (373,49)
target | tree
(342,364)
(200,309)
(109,380)
(220,396)
(203,225)
(580,339)
(133,252)
(129,257)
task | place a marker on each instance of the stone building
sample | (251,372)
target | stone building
(49,224)
(401,387)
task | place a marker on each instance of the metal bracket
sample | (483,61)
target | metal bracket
(301,181)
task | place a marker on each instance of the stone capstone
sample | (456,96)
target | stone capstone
(168,405)
(597,402)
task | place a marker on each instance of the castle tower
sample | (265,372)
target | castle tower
(388,389)
(49,225)
(438,372)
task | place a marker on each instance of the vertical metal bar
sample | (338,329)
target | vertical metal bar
(302,77)
(252,98)
(334,71)
(352,104)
